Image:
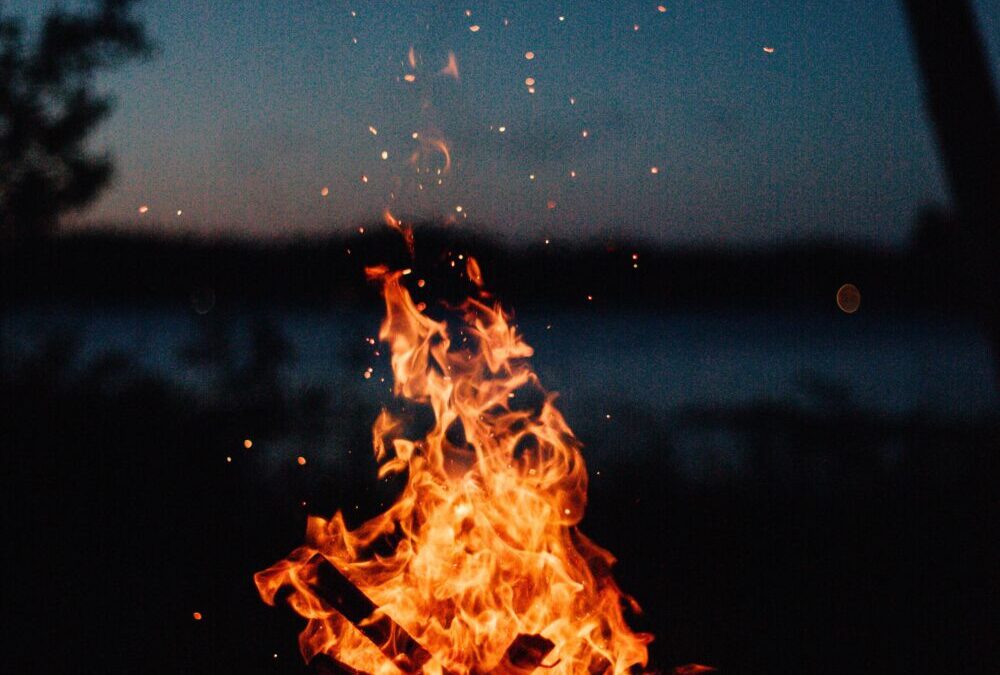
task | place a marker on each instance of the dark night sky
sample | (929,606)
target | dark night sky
(251,108)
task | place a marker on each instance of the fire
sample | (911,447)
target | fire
(431,142)
(401,227)
(479,565)
(451,68)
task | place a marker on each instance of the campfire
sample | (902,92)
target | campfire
(479,565)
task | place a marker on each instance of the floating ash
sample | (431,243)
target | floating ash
(479,566)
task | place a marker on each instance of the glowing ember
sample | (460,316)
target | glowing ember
(769,50)
(143,209)
(479,566)
(325,192)
(529,55)
(196,616)
(247,443)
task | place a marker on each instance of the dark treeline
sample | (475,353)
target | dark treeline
(113,268)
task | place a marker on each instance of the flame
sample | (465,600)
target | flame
(479,565)
(431,142)
(451,69)
(401,227)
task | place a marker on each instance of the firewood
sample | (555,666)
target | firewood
(524,655)
(337,591)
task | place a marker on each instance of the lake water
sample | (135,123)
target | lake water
(660,362)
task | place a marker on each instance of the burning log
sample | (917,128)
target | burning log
(524,655)
(337,591)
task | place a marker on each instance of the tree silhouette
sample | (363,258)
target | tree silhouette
(49,107)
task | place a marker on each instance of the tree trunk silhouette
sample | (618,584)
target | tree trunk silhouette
(961,100)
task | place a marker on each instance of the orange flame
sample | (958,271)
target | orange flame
(401,227)
(431,141)
(485,554)
(451,69)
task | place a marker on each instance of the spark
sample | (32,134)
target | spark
(769,50)
(410,77)
(458,209)
(373,130)
(415,135)
(301,460)
(635,26)
(584,133)
(661,8)
(474,28)
(143,209)
(229,459)
(530,81)
(572,174)
(325,192)
(411,57)
(551,204)
(468,12)
(531,176)
(572,100)
(364,178)
(502,129)
(654,170)
(179,212)
(247,443)
(562,18)
(197,616)
(531,90)
(385,154)
(529,55)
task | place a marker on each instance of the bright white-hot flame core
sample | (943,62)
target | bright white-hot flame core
(482,543)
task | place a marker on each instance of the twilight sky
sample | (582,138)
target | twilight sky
(252,107)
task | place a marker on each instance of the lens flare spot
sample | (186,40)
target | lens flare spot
(848,298)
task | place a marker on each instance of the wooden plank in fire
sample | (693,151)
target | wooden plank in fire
(523,656)
(337,591)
